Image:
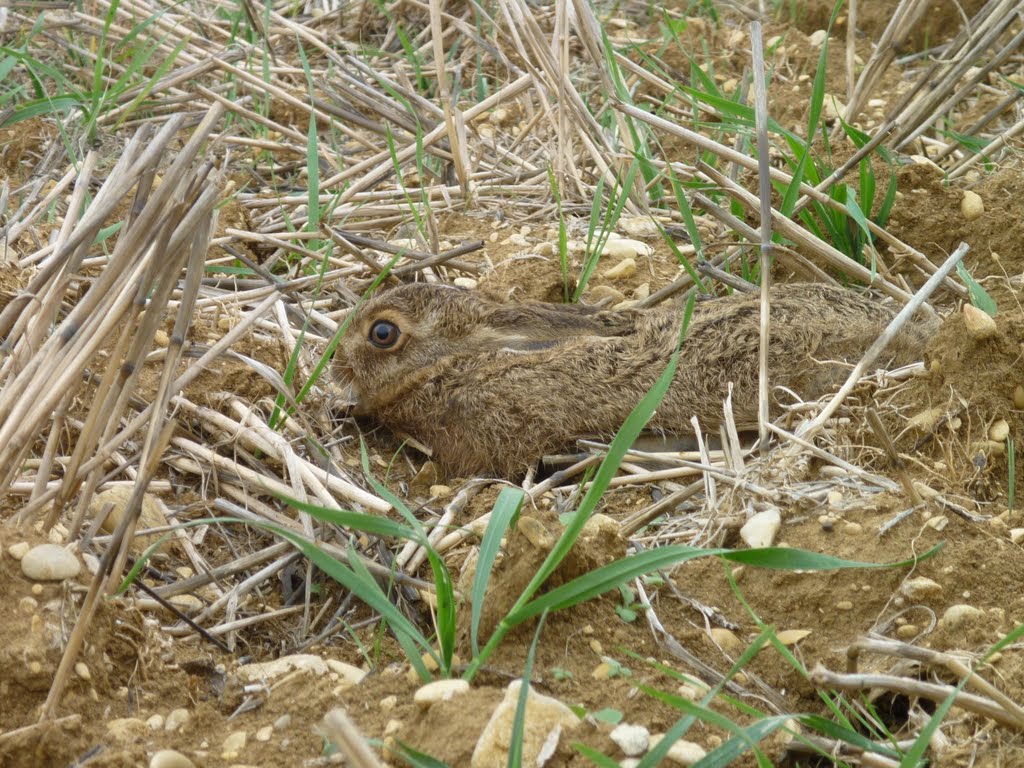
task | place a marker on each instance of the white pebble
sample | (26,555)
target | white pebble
(761,529)
(176,719)
(465,282)
(626,247)
(632,739)
(817,38)
(682,752)
(268,670)
(235,743)
(349,673)
(170,758)
(623,270)
(48,562)
(439,690)
(264,733)
(19,550)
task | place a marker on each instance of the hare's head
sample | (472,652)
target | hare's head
(406,335)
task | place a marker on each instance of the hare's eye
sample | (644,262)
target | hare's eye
(384,334)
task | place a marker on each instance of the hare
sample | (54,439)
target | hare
(491,387)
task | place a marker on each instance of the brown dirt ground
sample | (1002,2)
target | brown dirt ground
(136,672)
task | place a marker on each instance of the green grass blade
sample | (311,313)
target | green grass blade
(979,296)
(505,509)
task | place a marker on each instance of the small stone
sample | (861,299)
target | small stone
(907,632)
(761,529)
(269,670)
(939,522)
(439,690)
(1017,535)
(170,758)
(440,491)
(959,615)
(817,38)
(853,529)
(48,562)
(349,673)
(19,550)
(546,719)
(265,733)
(596,647)
(999,431)
(282,722)
(176,719)
(152,514)
(642,291)
(602,671)
(972,206)
(792,636)
(605,293)
(726,639)
(921,588)
(639,226)
(393,727)
(234,744)
(682,752)
(980,325)
(624,270)
(627,249)
(1018,397)
(82,670)
(536,533)
(155,722)
(388,703)
(632,739)
(161,338)
(844,605)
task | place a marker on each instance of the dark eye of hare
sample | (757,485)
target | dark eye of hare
(384,334)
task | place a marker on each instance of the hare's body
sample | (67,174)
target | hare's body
(491,387)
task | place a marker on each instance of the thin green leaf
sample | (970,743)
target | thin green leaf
(505,508)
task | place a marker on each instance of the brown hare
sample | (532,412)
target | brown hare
(491,387)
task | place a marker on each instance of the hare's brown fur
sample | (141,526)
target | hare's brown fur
(491,387)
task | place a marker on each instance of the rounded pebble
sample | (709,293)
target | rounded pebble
(682,752)
(19,550)
(439,690)
(761,529)
(349,673)
(726,639)
(921,588)
(176,719)
(1018,397)
(980,325)
(170,758)
(234,743)
(999,430)
(632,739)
(853,529)
(48,562)
(972,206)
(624,269)
(960,614)
(265,733)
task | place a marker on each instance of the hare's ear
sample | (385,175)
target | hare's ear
(494,339)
